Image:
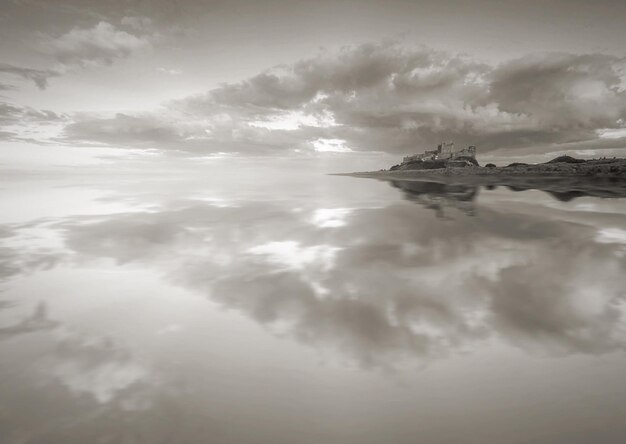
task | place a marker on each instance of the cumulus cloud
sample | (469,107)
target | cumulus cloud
(386,97)
(100,45)
(80,47)
(563,97)
(38,76)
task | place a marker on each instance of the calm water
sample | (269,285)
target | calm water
(308,309)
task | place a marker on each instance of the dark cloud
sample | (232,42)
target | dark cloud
(567,97)
(386,97)
(38,76)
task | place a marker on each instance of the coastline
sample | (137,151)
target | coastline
(601,178)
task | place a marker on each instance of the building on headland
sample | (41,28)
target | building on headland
(444,151)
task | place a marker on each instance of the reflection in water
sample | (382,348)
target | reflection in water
(88,389)
(438,196)
(563,196)
(38,320)
(414,288)
(385,286)
(564,188)
(456,194)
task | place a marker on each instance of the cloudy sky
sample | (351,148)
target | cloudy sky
(81,79)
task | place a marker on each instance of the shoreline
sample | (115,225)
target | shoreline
(593,178)
(580,169)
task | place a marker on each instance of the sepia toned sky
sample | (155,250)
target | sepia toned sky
(191,78)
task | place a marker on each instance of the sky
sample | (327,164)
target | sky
(86,80)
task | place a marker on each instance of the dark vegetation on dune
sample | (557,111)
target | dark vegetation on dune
(566,159)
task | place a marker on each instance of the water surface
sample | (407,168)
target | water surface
(308,309)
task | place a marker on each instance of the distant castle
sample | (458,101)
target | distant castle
(444,151)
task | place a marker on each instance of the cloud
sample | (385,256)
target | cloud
(23,122)
(177,131)
(99,45)
(386,97)
(10,114)
(80,47)
(38,76)
(172,72)
(137,22)
(124,129)
(564,97)
(330,145)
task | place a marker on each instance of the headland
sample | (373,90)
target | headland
(604,177)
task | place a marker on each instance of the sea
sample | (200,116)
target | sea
(307,308)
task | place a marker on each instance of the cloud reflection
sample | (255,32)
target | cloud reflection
(96,367)
(385,285)
(74,388)
(38,320)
